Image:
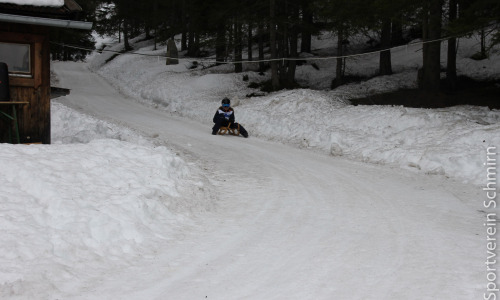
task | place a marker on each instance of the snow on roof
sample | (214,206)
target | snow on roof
(53,3)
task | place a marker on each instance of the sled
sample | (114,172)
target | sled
(228,130)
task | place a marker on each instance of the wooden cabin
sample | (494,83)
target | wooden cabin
(25,48)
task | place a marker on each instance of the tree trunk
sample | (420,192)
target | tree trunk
(292,64)
(451,64)
(238,45)
(183,26)
(125,36)
(155,38)
(483,43)
(425,37)
(155,22)
(272,36)
(196,44)
(294,43)
(220,42)
(230,42)
(385,67)
(250,37)
(338,71)
(307,24)
(191,34)
(282,42)
(260,30)
(431,52)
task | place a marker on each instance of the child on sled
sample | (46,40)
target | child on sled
(224,116)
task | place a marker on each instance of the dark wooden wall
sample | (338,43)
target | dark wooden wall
(34,118)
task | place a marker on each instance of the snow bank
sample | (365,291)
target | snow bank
(450,141)
(97,200)
(71,127)
(83,203)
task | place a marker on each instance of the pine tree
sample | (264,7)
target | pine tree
(451,64)
(79,38)
(431,19)
(307,25)
(479,16)
(343,17)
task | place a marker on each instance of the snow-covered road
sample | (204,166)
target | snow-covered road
(294,224)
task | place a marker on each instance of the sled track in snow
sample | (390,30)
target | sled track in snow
(292,224)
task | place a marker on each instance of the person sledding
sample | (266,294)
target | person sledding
(224,117)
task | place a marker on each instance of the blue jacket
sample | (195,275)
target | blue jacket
(221,115)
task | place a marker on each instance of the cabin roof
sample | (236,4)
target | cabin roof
(68,10)
(52,15)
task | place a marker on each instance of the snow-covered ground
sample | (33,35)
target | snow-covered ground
(81,205)
(450,141)
(137,201)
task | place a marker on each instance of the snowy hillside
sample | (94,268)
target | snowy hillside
(137,201)
(450,141)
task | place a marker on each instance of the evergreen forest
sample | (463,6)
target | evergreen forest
(282,31)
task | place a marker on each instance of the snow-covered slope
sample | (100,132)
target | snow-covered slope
(449,141)
(137,202)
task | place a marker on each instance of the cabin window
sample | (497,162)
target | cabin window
(17,57)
